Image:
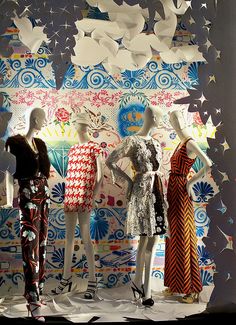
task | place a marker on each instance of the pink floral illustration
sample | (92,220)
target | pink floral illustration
(62,115)
(166,98)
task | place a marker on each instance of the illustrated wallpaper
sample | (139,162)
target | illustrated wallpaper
(115,104)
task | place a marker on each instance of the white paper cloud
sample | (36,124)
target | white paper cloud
(120,43)
(31,37)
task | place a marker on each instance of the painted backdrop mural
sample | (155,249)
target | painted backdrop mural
(115,105)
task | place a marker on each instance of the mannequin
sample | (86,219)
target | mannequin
(84,171)
(32,171)
(182,273)
(7,160)
(145,215)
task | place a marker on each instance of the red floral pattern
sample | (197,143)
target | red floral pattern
(62,115)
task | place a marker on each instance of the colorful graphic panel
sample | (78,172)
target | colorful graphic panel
(115,105)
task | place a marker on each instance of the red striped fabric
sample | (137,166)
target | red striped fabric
(182,273)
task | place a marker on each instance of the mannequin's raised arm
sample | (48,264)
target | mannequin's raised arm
(120,152)
(9,189)
(117,171)
(193,150)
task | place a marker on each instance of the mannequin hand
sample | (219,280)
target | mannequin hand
(167,234)
(166,204)
(189,189)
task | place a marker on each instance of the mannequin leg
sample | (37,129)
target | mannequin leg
(149,258)
(70,221)
(84,223)
(66,283)
(140,259)
(43,234)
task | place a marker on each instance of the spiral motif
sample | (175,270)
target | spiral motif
(4,233)
(52,234)
(60,217)
(137,84)
(85,69)
(177,66)
(164,80)
(95,79)
(16,277)
(68,84)
(201,217)
(158,274)
(15,65)
(127,84)
(153,66)
(112,280)
(119,234)
(41,63)
(43,50)
(26,79)
(100,213)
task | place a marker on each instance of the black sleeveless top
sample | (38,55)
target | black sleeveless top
(28,162)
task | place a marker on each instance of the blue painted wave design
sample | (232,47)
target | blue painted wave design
(28,73)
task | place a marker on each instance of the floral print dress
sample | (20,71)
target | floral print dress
(146,208)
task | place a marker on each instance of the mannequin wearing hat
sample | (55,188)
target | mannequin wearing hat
(182,274)
(146,205)
(83,180)
(32,172)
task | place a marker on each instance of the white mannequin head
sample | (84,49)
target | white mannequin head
(152,116)
(177,120)
(82,122)
(36,119)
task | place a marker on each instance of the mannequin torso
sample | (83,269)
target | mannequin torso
(193,150)
(36,121)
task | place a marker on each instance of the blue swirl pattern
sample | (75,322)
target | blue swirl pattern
(29,73)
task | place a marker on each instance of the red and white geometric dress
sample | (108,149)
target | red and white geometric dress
(80,178)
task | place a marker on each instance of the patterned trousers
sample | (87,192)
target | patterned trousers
(33,202)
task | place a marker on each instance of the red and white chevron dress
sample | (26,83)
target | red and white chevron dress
(80,178)
(181,272)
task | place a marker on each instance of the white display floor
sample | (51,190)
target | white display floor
(111,305)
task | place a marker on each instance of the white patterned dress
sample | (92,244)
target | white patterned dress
(80,178)
(146,208)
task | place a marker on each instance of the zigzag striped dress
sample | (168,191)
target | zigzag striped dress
(182,273)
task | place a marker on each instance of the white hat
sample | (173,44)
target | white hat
(83,118)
